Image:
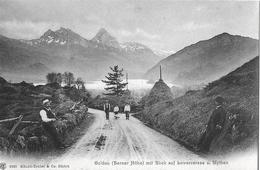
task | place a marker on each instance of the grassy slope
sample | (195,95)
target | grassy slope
(184,118)
(26,99)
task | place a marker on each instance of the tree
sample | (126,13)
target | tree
(59,78)
(54,78)
(51,77)
(79,83)
(114,82)
(68,78)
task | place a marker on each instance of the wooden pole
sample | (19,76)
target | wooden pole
(16,118)
(16,125)
(9,120)
(30,122)
(160,72)
(127,81)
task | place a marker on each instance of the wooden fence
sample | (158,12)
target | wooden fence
(17,123)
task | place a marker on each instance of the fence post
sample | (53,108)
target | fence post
(16,125)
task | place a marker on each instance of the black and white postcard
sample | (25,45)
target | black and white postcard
(129,85)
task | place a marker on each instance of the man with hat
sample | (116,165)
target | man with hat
(47,119)
(215,125)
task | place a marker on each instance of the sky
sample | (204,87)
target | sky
(163,25)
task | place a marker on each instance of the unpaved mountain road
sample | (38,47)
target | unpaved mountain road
(124,140)
(116,144)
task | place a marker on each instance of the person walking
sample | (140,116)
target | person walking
(127,110)
(47,120)
(215,125)
(107,109)
(116,110)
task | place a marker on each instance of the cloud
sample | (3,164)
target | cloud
(192,26)
(139,33)
(25,29)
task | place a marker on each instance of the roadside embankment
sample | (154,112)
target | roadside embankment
(26,100)
(185,118)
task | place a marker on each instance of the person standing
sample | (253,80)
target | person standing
(127,110)
(107,109)
(116,110)
(47,120)
(215,125)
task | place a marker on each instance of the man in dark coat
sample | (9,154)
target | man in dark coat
(107,109)
(215,125)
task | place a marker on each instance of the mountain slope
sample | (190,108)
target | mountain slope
(184,118)
(19,60)
(64,50)
(61,37)
(206,60)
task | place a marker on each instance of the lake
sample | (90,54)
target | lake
(133,84)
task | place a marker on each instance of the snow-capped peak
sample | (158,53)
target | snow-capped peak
(60,37)
(133,46)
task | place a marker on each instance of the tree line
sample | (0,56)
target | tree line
(67,78)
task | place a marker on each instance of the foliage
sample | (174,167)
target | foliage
(54,78)
(114,82)
(68,78)
(80,83)
(14,102)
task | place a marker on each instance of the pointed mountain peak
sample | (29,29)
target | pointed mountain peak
(48,32)
(62,29)
(61,36)
(223,35)
(102,31)
(105,39)
(65,31)
(223,38)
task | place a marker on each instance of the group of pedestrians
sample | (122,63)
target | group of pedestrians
(107,109)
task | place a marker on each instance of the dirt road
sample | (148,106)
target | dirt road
(124,140)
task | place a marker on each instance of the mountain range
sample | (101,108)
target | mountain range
(64,50)
(206,60)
